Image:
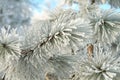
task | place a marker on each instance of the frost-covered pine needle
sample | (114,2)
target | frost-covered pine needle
(106,25)
(62,65)
(9,42)
(103,66)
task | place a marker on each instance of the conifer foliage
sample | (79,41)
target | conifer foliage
(68,45)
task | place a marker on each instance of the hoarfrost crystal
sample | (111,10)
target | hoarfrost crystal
(103,66)
(9,42)
(106,25)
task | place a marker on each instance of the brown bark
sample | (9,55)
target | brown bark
(50,76)
(90,49)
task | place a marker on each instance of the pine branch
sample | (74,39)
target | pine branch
(105,25)
(104,65)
